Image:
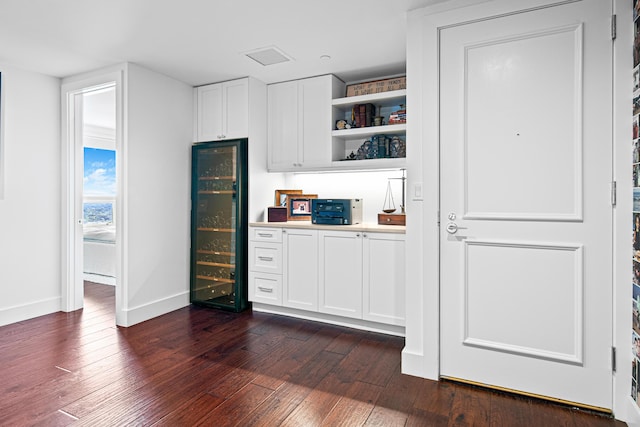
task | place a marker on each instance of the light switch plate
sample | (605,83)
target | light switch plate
(417,191)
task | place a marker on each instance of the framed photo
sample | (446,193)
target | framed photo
(283,195)
(299,207)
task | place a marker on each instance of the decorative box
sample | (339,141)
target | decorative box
(277,214)
(392,219)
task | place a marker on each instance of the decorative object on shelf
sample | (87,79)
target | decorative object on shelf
(389,217)
(282,195)
(299,207)
(378,119)
(380,147)
(377,86)
(277,214)
(399,116)
(342,124)
(397,148)
(389,205)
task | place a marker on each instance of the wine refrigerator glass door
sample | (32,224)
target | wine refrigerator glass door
(216,226)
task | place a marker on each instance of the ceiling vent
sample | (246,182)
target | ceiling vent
(268,55)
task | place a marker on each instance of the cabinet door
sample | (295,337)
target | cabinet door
(384,278)
(210,112)
(235,113)
(314,134)
(340,273)
(283,126)
(300,266)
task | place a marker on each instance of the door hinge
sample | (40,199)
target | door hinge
(613,359)
(614,191)
(614,30)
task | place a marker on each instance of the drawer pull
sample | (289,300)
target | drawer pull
(263,289)
(265,234)
(265,258)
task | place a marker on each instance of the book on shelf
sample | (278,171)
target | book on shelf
(398,117)
(363,115)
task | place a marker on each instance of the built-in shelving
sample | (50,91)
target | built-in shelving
(347,141)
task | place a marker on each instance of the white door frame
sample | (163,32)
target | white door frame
(71,199)
(421,356)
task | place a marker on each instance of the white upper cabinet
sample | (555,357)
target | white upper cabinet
(300,122)
(223,110)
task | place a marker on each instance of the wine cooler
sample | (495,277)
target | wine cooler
(219,224)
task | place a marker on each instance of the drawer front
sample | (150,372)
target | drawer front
(265,257)
(261,234)
(265,288)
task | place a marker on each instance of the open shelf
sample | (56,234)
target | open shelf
(400,129)
(384,99)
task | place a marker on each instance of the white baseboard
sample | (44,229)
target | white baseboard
(19,313)
(630,413)
(328,318)
(413,364)
(153,309)
(99,278)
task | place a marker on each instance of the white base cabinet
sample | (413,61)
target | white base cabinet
(339,274)
(300,269)
(383,269)
(265,265)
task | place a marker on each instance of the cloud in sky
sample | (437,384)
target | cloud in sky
(99,172)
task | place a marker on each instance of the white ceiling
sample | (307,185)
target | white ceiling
(203,41)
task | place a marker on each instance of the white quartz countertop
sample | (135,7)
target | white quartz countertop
(371,227)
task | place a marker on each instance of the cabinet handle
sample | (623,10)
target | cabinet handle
(263,289)
(265,258)
(357,234)
(265,234)
(364,235)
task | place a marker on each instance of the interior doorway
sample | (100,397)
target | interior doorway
(92,117)
(99,190)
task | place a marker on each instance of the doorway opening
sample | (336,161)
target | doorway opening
(92,208)
(99,189)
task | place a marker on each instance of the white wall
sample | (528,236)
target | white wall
(159,117)
(30,209)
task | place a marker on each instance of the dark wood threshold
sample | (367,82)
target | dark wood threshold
(198,366)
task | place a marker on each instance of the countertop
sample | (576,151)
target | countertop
(371,227)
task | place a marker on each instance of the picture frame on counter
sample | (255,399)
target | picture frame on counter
(299,207)
(282,196)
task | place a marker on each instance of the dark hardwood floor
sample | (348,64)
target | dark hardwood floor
(198,366)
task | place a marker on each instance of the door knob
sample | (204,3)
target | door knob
(452,228)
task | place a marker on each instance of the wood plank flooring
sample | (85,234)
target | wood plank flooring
(198,366)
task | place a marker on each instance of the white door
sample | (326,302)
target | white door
(526,291)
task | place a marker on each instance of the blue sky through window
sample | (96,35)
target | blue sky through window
(99,172)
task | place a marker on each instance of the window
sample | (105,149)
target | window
(99,194)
